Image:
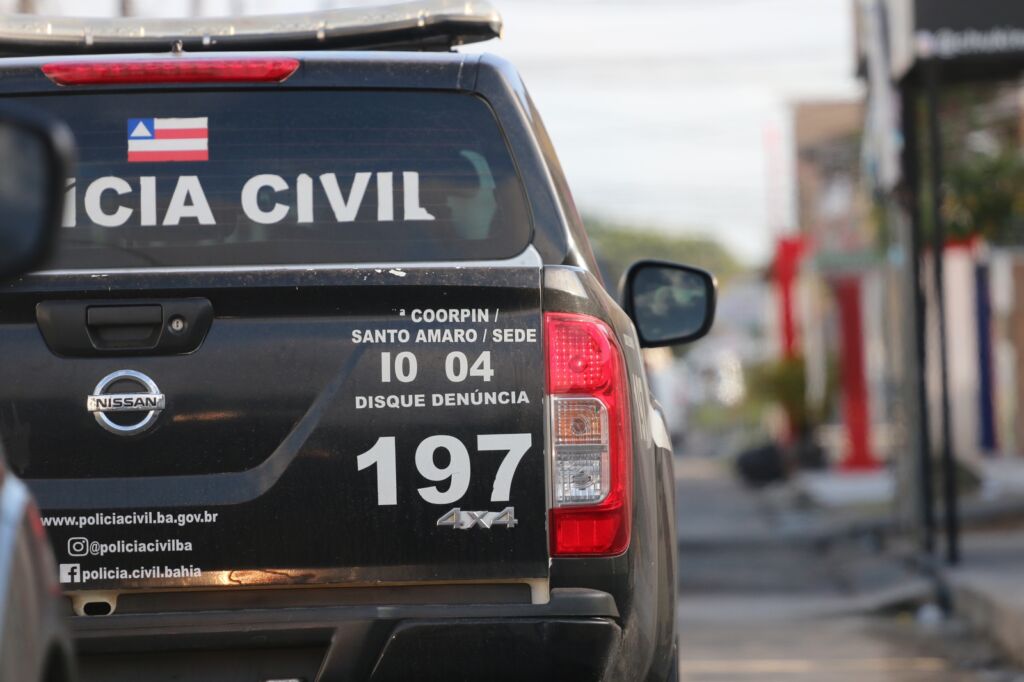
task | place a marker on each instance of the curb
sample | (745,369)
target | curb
(820,537)
(994,606)
(696,608)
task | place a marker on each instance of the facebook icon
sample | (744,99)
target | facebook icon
(71,573)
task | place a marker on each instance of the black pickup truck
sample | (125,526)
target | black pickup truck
(321,382)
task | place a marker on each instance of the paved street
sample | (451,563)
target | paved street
(775,603)
(829,648)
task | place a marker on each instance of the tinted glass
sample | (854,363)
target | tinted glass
(26,188)
(286,177)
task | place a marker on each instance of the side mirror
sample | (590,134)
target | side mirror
(669,303)
(35,160)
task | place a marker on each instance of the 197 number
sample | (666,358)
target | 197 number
(382,456)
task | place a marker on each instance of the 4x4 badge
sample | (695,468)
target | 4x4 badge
(149,400)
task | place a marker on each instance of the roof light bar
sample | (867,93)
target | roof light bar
(423,24)
(172,70)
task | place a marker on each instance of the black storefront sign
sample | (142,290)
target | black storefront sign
(953,29)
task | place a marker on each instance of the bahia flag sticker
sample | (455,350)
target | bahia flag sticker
(168,139)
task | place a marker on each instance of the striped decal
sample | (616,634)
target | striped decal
(168,139)
(170,156)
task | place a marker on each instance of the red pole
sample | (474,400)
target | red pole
(855,390)
(788,252)
(787,265)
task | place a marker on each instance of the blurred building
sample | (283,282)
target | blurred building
(944,157)
(841,282)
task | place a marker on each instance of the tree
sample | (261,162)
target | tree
(985,196)
(616,246)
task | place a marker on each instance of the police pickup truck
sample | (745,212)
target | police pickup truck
(321,382)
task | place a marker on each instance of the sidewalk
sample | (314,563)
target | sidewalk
(988,588)
(714,508)
(780,541)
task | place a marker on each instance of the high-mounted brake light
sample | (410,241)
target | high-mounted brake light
(590,437)
(171,70)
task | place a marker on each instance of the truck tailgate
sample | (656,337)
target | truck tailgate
(385,425)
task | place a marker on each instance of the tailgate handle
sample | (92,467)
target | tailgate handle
(100,328)
(124,326)
(122,315)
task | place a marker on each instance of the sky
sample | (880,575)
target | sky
(675,114)
(670,114)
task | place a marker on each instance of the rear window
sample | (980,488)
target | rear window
(283,177)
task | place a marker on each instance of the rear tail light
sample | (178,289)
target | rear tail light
(590,437)
(170,70)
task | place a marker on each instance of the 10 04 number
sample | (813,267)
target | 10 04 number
(382,457)
(457,367)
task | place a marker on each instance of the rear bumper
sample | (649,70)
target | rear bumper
(569,638)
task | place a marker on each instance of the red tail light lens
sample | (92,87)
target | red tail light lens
(171,70)
(590,436)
